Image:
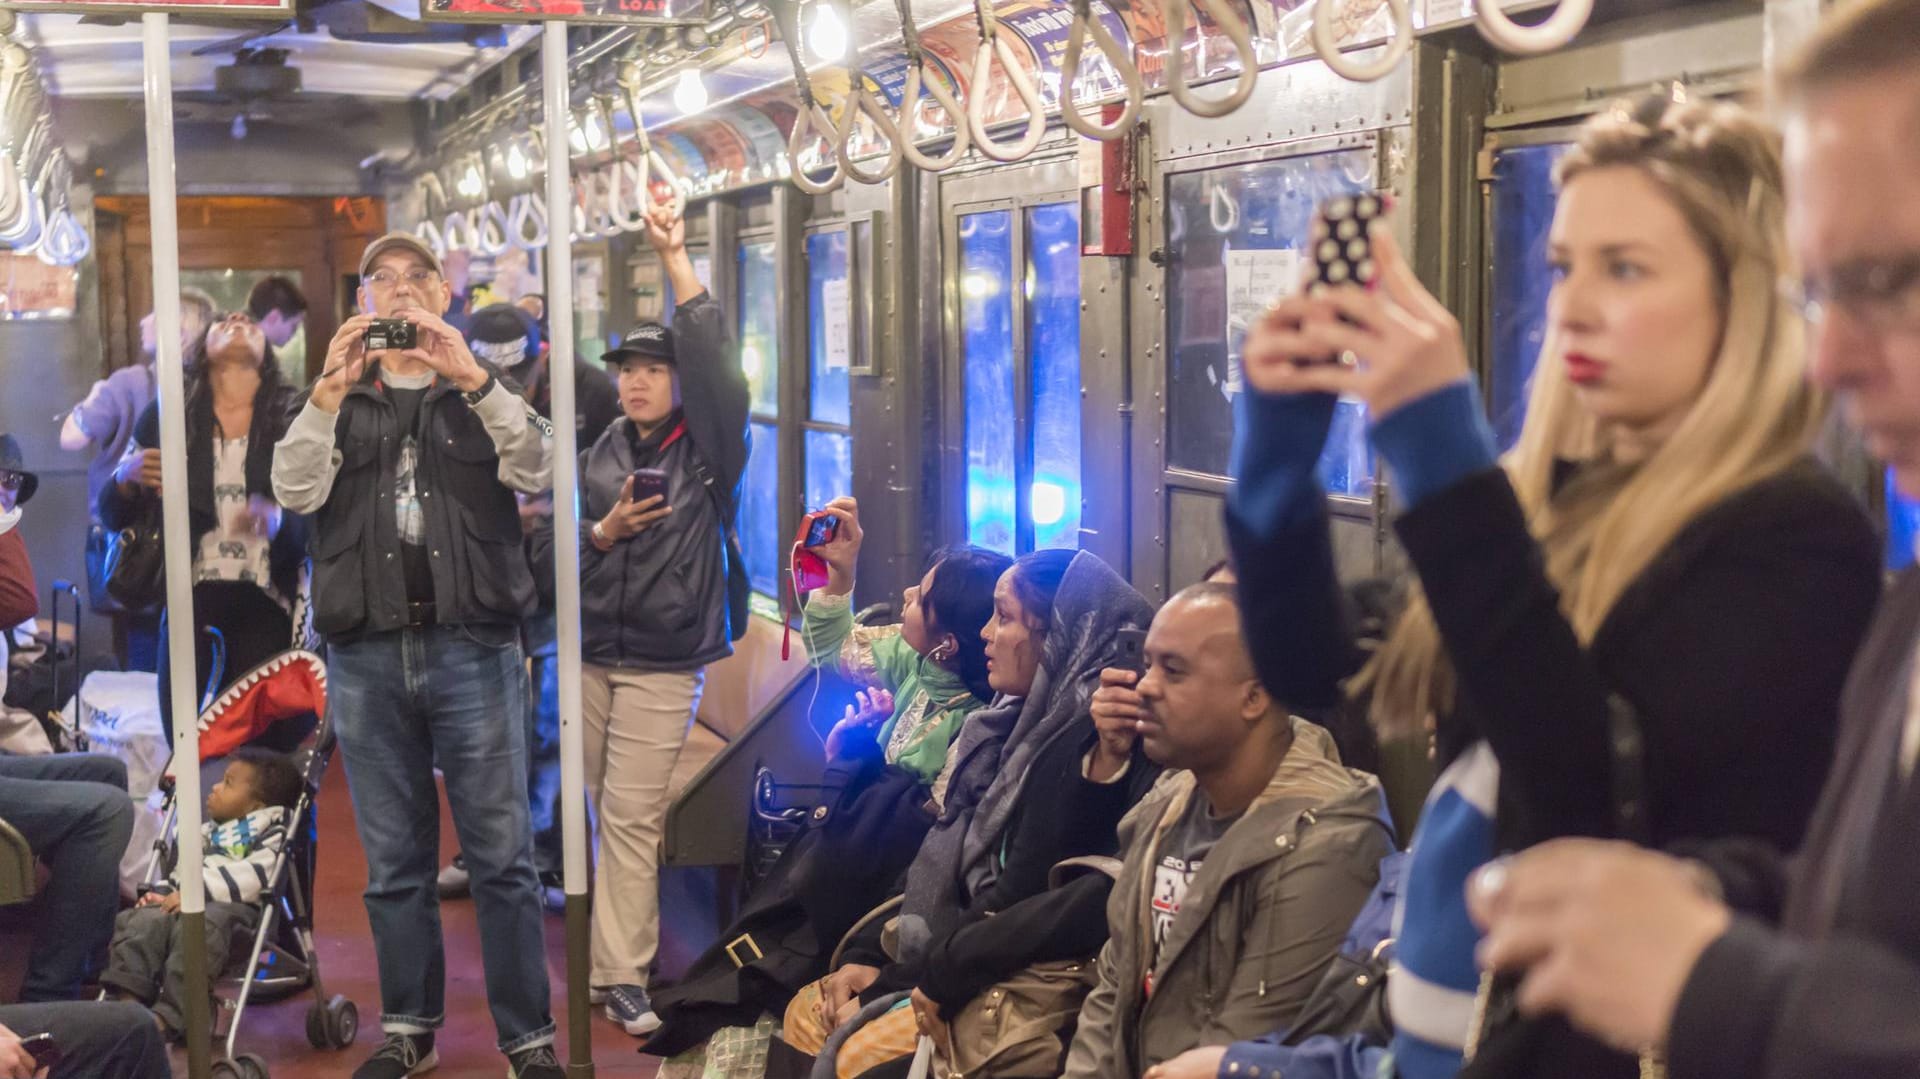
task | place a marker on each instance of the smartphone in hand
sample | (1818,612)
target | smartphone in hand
(648,482)
(42,1049)
(1132,644)
(822,527)
(1342,251)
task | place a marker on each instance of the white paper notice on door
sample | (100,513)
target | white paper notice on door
(835,303)
(1254,280)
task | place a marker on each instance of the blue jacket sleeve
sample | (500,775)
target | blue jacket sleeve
(1435,441)
(1278,530)
(1319,1057)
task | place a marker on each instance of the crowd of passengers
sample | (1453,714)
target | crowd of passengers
(1065,834)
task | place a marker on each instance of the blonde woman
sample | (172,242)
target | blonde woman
(1658,557)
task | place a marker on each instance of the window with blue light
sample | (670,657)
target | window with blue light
(829,330)
(760,326)
(1234,243)
(760,509)
(1053,346)
(1523,202)
(1903,526)
(829,457)
(986,350)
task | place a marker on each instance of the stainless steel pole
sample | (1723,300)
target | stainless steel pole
(566,546)
(174,528)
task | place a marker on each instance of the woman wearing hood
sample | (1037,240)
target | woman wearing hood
(1029,784)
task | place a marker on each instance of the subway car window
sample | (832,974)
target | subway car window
(986,351)
(760,362)
(229,288)
(827,447)
(760,327)
(1522,212)
(1233,239)
(760,509)
(1053,341)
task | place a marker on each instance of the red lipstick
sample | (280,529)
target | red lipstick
(1583,370)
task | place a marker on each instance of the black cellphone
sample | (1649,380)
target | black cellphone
(648,482)
(1132,644)
(42,1049)
(821,528)
(1342,251)
(391,333)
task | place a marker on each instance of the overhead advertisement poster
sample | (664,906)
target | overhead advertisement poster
(628,11)
(239,9)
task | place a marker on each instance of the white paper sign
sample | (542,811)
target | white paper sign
(834,299)
(1254,280)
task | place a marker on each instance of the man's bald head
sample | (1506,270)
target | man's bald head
(1200,688)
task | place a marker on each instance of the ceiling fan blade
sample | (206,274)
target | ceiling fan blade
(235,44)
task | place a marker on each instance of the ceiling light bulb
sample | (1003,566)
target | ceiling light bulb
(690,92)
(576,139)
(516,162)
(828,35)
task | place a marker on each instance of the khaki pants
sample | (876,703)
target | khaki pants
(635,725)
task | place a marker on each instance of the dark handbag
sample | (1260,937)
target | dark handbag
(1351,999)
(98,543)
(136,560)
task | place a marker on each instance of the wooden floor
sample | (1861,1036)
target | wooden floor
(277,1032)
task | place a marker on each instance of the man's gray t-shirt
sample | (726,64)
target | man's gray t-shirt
(1182,850)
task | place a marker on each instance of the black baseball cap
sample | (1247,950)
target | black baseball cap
(503,335)
(649,339)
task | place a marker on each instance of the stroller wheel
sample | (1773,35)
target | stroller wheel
(333,1025)
(251,1066)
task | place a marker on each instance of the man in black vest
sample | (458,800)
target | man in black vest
(1650,952)
(409,460)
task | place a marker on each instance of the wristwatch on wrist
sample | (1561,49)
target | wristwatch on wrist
(474,397)
(600,535)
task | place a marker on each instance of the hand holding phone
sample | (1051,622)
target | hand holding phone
(650,483)
(43,1052)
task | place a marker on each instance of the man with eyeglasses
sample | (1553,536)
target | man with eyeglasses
(1653,953)
(409,461)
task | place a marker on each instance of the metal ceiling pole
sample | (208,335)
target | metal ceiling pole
(158,81)
(566,552)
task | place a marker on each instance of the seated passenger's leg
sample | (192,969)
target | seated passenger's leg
(223,922)
(476,686)
(890,1037)
(97,1040)
(388,753)
(74,812)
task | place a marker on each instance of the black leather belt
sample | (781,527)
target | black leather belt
(419,614)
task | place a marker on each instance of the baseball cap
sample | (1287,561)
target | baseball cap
(503,335)
(649,339)
(400,239)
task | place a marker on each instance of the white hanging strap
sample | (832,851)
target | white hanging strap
(811,117)
(922,1059)
(993,43)
(493,232)
(910,102)
(527,222)
(1085,23)
(864,100)
(1237,32)
(1559,30)
(1344,65)
(652,165)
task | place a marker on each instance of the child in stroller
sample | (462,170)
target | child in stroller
(242,841)
(286,693)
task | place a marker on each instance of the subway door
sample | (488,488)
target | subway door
(1230,204)
(1011,424)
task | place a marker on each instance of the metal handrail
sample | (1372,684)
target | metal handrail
(993,43)
(1237,32)
(1085,23)
(1397,46)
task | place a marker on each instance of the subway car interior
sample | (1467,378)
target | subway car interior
(985,267)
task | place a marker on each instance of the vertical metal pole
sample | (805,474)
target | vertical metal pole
(566,547)
(173,470)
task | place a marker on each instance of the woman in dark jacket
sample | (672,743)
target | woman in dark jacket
(249,556)
(1031,784)
(1639,626)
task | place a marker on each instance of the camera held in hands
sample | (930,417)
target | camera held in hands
(391,333)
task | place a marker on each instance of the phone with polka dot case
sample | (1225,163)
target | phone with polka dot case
(1342,251)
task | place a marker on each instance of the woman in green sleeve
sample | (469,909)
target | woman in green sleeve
(927,673)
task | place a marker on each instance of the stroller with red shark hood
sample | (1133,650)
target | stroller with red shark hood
(289,689)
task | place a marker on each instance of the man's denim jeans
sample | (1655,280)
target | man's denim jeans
(453,696)
(74,812)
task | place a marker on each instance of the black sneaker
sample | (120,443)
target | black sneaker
(536,1062)
(399,1056)
(628,1006)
